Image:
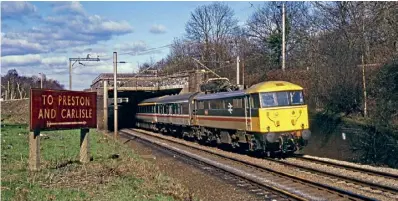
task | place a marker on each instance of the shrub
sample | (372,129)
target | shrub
(378,144)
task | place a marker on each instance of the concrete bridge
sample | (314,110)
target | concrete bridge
(133,88)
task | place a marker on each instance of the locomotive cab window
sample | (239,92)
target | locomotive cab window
(296,98)
(283,98)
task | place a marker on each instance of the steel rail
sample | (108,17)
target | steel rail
(380,187)
(349,167)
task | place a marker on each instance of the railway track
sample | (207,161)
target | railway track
(259,191)
(366,183)
(286,186)
(362,170)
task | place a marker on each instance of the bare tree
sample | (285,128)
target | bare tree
(211,25)
(17,86)
(265,27)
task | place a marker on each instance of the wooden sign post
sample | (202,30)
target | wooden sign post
(60,110)
(34,151)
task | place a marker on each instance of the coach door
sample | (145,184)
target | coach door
(248,113)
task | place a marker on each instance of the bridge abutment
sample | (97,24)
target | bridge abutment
(133,89)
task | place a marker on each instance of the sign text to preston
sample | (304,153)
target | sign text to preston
(65,100)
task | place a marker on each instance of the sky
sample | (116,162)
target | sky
(40,37)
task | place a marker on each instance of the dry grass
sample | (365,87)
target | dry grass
(127,177)
(15,111)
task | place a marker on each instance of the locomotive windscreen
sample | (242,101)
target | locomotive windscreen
(284,98)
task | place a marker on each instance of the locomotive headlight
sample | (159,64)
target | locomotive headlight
(306,134)
(272,137)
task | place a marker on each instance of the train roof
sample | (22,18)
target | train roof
(168,99)
(268,86)
(175,98)
(271,86)
(220,95)
(149,101)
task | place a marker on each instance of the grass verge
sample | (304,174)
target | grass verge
(62,177)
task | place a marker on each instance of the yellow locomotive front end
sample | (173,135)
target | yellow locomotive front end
(282,124)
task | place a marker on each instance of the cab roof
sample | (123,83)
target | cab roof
(271,86)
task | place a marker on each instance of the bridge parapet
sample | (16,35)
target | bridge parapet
(134,82)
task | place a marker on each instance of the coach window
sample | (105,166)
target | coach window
(179,108)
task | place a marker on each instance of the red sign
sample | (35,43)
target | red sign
(61,109)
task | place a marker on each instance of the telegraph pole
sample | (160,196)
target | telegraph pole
(365,109)
(78,60)
(41,80)
(115,103)
(237,70)
(243,73)
(283,38)
(70,74)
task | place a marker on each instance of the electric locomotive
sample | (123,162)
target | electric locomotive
(269,117)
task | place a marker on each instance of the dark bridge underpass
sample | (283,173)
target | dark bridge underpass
(127,110)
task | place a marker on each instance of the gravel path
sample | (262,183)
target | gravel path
(289,170)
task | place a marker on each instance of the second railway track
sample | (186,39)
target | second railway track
(366,180)
(302,188)
(353,168)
